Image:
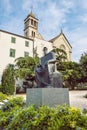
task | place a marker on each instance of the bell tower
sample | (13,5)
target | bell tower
(31,26)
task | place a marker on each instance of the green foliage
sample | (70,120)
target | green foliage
(3,97)
(85,111)
(71,73)
(8,81)
(13,102)
(61,56)
(9,110)
(43,118)
(7,116)
(83,63)
(0,87)
(25,66)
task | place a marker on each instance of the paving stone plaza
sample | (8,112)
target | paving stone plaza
(77,99)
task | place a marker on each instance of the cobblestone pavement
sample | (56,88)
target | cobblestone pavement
(77,99)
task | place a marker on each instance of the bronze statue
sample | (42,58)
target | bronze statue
(47,74)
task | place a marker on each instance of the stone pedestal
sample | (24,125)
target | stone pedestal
(47,96)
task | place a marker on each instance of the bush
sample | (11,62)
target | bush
(18,101)
(8,81)
(3,97)
(9,110)
(85,110)
(46,118)
(0,87)
(14,116)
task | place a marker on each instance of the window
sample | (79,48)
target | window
(26,54)
(33,34)
(35,23)
(27,43)
(11,65)
(26,34)
(31,21)
(13,40)
(45,50)
(62,47)
(12,52)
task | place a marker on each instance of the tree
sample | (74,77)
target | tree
(25,69)
(83,63)
(8,80)
(71,73)
(25,66)
(61,56)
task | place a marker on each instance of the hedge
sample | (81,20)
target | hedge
(19,117)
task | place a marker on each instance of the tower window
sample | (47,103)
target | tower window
(35,23)
(31,21)
(13,40)
(12,52)
(26,34)
(33,34)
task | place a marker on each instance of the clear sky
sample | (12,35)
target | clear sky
(70,15)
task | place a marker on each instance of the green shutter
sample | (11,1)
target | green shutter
(13,40)
(27,43)
(26,54)
(12,52)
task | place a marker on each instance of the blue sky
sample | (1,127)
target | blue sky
(70,15)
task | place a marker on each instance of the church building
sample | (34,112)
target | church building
(13,46)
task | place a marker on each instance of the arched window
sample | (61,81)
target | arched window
(45,50)
(33,34)
(35,23)
(62,47)
(31,21)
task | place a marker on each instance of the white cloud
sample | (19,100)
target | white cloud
(83,18)
(78,40)
(67,4)
(53,15)
(52,19)
(32,3)
(83,4)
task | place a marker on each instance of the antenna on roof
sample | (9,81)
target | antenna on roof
(31,8)
(61,30)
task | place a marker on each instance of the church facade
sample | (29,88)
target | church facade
(13,46)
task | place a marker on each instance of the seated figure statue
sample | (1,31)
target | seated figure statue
(41,76)
(47,74)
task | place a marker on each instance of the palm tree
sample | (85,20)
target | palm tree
(25,68)
(61,56)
